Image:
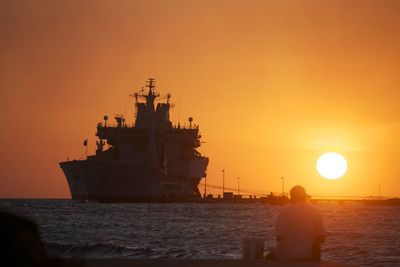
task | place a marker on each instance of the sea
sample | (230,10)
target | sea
(357,234)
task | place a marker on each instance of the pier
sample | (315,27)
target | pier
(204,263)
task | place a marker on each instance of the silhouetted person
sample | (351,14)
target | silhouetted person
(21,245)
(299,229)
(20,242)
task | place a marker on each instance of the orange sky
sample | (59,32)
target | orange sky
(272,84)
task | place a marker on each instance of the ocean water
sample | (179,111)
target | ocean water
(357,234)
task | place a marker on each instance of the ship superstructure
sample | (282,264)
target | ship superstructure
(150,161)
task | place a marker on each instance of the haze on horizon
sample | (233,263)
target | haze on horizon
(272,84)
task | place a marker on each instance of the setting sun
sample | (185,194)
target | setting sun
(331,165)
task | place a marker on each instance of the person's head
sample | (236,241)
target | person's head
(298,194)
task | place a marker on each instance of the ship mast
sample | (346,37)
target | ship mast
(151,95)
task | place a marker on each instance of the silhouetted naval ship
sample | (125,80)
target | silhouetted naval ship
(150,161)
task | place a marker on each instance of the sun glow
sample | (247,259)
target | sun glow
(331,165)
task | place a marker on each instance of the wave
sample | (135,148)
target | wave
(113,251)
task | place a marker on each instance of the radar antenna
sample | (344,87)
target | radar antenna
(151,84)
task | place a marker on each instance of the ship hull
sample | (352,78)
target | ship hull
(76,183)
(118,181)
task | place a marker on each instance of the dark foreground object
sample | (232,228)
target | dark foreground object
(21,245)
(204,263)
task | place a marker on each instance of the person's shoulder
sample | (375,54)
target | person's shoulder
(286,208)
(312,208)
(304,206)
(299,206)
